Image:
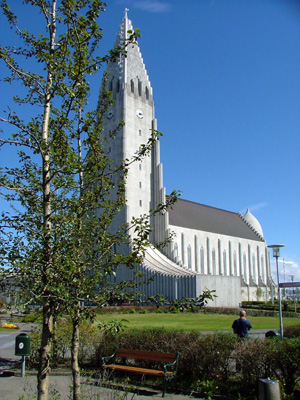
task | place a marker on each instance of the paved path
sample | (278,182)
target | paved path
(12,387)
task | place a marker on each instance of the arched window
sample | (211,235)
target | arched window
(140,87)
(214,264)
(254,270)
(196,254)
(263,275)
(147,93)
(230,272)
(225,263)
(111,85)
(202,259)
(118,85)
(189,251)
(245,267)
(182,249)
(235,267)
(132,86)
(175,251)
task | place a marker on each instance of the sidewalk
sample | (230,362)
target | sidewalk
(13,387)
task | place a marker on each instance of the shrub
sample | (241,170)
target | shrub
(89,340)
(286,366)
(291,331)
(214,355)
(254,360)
(90,336)
(32,317)
(35,342)
(205,357)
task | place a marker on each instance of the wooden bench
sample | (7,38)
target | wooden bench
(168,361)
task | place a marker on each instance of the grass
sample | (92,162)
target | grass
(192,322)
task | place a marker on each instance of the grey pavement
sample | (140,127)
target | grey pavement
(13,386)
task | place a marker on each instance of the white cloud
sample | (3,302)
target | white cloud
(155,6)
(286,269)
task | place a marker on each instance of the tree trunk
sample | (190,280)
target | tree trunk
(75,365)
(45,349)
(48,309)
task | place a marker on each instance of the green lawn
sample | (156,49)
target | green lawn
(192,322)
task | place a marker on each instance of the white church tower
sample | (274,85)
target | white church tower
(133,103)
(212,248)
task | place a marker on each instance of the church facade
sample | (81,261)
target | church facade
(212,248)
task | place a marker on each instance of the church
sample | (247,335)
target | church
(212,248)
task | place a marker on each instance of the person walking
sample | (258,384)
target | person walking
(241,326)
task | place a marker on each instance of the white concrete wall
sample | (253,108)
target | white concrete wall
(227,289)
(210,254)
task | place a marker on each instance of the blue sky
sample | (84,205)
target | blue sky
(226,83)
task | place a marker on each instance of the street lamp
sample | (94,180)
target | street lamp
(276,254)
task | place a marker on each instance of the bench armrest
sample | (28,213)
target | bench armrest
(106,359)
(175,362)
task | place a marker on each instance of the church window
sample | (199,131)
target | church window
(140,167)
(225,262)
(196,253)
(208,255)
(175,252)
(202,260)
(182,249)
(111,84)
(132,86)
(189,250)
(254,271)
(230,272)
(240,265)
(214,264)
(219,257)
(262,268)
(147,93)
(245,268)
(140,132)
(235,272)
(141,203)
(118,85)
(140,87)
(140,185)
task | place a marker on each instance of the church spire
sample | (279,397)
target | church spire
(131,66)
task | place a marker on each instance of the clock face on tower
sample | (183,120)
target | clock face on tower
(139,113)
(110,114)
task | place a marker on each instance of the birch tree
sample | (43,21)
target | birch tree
(54,244)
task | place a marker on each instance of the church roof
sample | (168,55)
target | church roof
(155,261)
(188,214)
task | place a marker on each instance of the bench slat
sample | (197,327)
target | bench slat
(146,355)
(143,371)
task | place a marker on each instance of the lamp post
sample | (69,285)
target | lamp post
(276,254)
